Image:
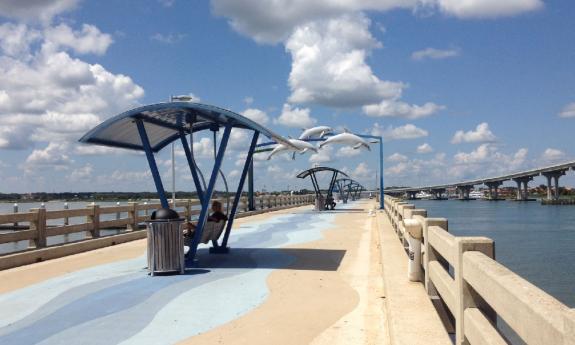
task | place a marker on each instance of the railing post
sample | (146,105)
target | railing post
(118,214)
(15,211)
(133,216)
(429,254)
(39,224)
(66,219)
(261,202)
(413,233)
(466,296)
(188,210)
(94,219)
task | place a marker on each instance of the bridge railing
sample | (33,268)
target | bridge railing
(30,234)
(462,273)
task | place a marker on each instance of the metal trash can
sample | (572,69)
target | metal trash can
(165,242)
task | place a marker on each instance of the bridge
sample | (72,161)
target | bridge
(552,173)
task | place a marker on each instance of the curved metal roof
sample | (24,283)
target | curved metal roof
(308,172)
(163,122)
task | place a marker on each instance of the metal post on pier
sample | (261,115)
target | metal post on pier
(15,211)
(66,222)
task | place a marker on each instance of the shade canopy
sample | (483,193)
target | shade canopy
(163,123)
(308,172)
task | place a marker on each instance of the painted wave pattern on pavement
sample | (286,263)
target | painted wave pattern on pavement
(118,303)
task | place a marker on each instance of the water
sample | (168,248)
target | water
(537,242)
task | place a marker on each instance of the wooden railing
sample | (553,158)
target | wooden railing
(462,273)
(43,224)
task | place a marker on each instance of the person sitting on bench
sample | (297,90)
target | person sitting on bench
(216,217)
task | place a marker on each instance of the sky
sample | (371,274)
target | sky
(458,89)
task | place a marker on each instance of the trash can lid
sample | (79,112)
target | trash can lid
(165,214)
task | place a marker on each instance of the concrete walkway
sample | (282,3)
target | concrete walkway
(293,277)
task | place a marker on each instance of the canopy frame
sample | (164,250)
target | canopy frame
(151,128)
(312,175)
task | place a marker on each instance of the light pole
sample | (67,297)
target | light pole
(183,98)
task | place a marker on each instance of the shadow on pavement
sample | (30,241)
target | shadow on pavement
(274,258)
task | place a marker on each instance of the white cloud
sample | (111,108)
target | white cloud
(89,40)
(397,157)
(488,8)
(34,9)
(203,148)
(424,148)
(257,115)
(362,172)
(15,39)
(52,156)
(81,174)
(272,21)
(481,134)
(49,95)
(393,108)
(130,176)
(486,160)
(14,137)
(552,155)
(434,53)
(167,38)
(295,117)
(347,151)
(248,100)
(568,110)
(329,67)
(407,131)
(323,156)
(479,155)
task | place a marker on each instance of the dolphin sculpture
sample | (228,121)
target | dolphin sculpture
(346,138)
(319,131)
(300,146)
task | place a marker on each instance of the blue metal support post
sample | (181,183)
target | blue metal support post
(381,203)
(152,163)
(251,202)
(209,192)
(223,247)
(190,159)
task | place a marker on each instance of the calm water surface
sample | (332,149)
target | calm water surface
(535,241)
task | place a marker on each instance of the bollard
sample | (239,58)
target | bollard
(15,211)
(66,222)
(413,234)
(146,208)
(118,213)
(66,219)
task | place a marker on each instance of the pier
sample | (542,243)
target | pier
(32,237)
(357,274)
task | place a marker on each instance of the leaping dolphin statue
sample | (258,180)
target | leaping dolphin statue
(319,131)
(346,138)
(299,146)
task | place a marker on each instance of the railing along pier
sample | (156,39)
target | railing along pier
(461,273)
(36,227)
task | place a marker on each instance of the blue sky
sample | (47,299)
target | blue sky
(458,90)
